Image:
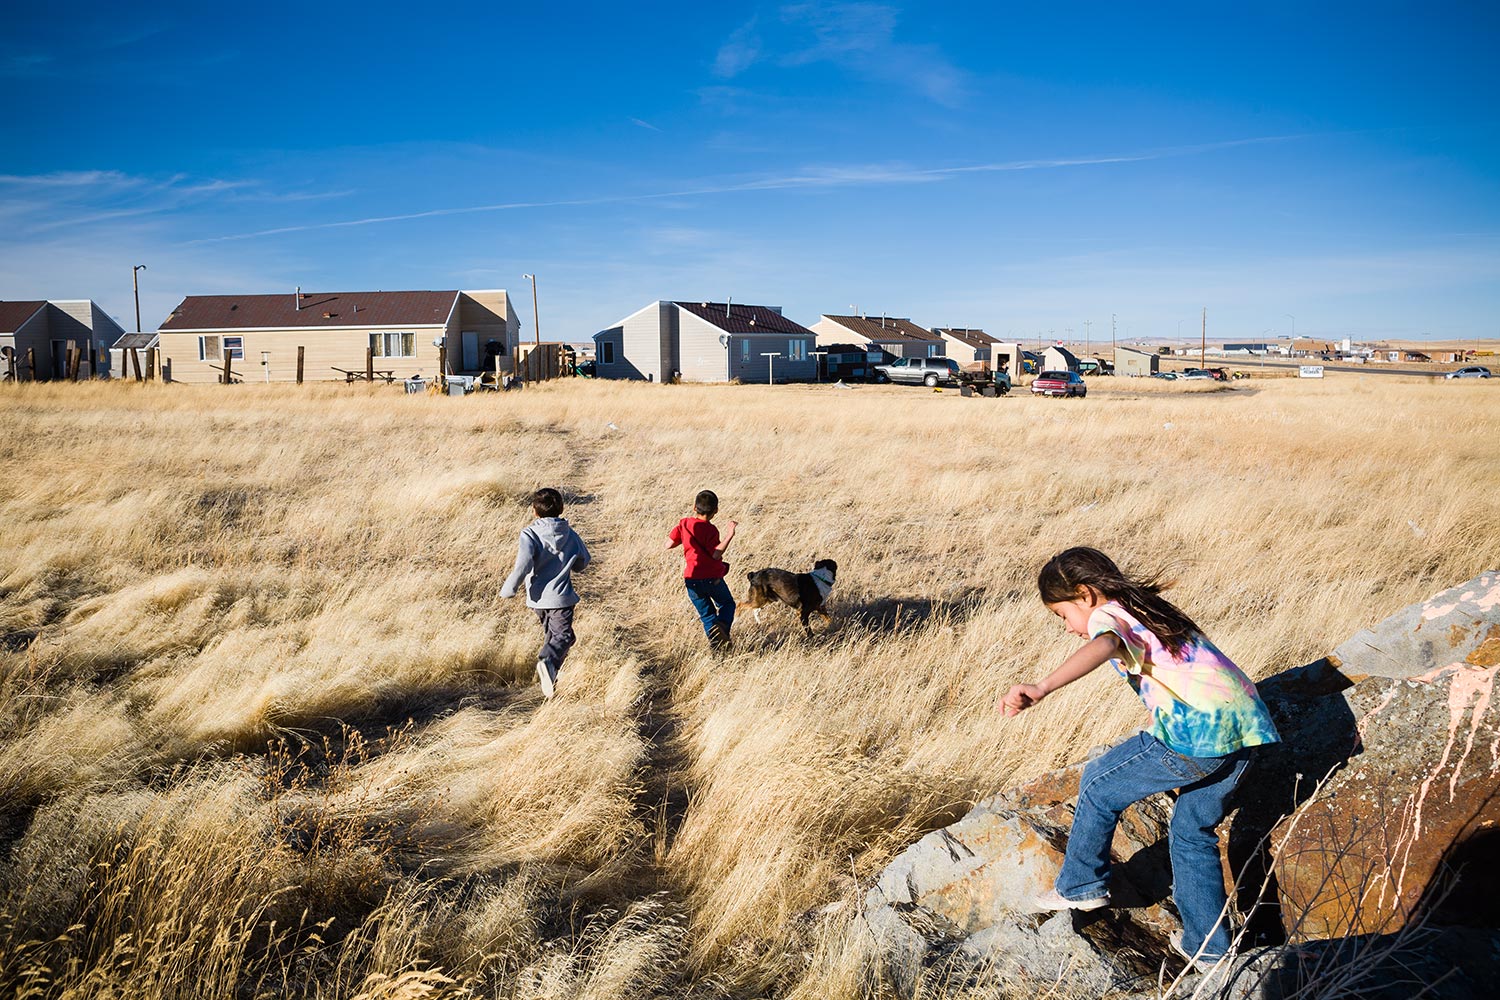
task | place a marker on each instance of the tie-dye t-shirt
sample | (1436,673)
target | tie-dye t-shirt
(1201,704)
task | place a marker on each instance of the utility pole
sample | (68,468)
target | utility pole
(136,284)
(536,317)
(1088,337)
(1111,336)
(1203,344)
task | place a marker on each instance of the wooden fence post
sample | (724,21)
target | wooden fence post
(301,351)
(12,368)
(370,364)
(150,364)
(73,359)
(442,363)
(228,367)
(31,363)
(135,364)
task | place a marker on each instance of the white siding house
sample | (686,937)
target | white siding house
(705,342)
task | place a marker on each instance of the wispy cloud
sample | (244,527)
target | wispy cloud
(859,38)
(740,51)
(813,177)
(644,124)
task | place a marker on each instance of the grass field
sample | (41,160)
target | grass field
(266,726)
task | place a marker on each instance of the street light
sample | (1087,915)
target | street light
(535,316)
(1294,324)
(136,284)
(771,357)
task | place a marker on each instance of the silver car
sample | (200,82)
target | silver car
(926,371)
(1473,371)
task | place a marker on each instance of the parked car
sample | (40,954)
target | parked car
(1058,383)
(1169,376)
(1472,371)
(924,371)
(1199,373)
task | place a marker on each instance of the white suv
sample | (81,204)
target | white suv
(1473,371)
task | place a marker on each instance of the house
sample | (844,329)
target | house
(705,342)
(46,328)
(409,333)
(1129,362)
(968,346)
(901,337)
(1059,359)
(119,353)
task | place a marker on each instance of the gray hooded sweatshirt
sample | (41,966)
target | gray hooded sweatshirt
(548,553)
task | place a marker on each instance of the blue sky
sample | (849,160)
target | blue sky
(1330,167)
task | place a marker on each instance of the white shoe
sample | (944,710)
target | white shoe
(544,674)
(1199,962)
(1053,900)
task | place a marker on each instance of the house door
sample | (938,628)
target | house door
(471,351)
(59,359)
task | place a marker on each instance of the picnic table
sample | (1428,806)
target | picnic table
(358,376)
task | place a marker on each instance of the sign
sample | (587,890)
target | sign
(1310,371)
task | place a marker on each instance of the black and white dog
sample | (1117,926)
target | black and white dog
(807,593)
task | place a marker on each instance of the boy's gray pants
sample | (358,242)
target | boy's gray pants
(557,623)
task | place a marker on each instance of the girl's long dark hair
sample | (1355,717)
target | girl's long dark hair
(1078,567)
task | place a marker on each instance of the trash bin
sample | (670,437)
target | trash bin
(415,384)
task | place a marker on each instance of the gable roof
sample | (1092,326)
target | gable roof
(319,309)
(139,341)
(973,338)
(14,314)
(735,318)
(886,329)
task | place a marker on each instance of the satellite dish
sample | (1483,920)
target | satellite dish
(437,341)
(723,340)
(7,352)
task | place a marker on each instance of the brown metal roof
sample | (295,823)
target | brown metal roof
(319,309)
(885,329)
(974,338)
(13,314)
(736,318)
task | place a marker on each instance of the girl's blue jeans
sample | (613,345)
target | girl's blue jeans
(713,602)
(1142,766)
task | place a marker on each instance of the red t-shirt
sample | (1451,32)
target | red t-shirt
(698,539)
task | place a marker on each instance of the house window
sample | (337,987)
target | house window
(236,347)
(796,350)
(745,349)
(932,350)
(209,349)
(393,345)
(606,352)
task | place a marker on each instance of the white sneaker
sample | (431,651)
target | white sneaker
(1053,900)
(544,674)
(1199,962)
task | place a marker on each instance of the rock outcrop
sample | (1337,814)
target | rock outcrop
(1363,846)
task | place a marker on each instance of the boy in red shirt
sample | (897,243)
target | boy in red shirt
(705,569)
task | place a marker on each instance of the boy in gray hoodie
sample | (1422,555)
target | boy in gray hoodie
(548,553)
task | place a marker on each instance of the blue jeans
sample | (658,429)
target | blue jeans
(1142,766)
(713,602)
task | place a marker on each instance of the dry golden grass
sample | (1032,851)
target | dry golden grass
(266,726)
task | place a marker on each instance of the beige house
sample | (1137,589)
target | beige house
(408,333)
(706,342)
(967,346)
(1137,363)
(46,328)
(899,336)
